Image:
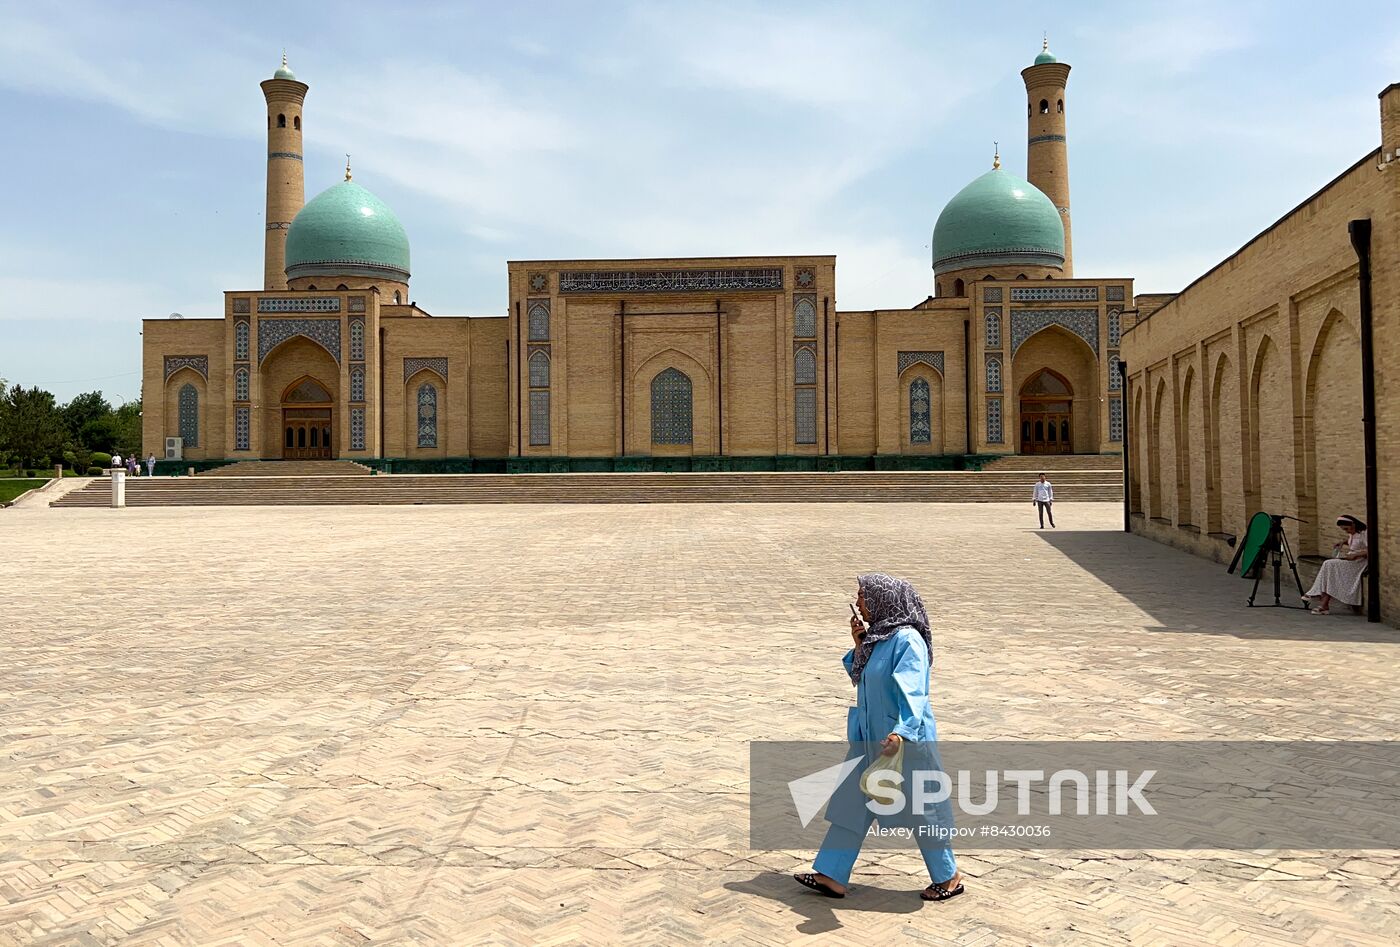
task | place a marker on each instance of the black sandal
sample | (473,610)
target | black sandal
(940,893)
(809,880)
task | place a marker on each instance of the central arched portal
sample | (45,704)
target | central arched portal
(1047,415)
(308,421)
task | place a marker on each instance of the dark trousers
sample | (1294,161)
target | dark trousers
(1045,509)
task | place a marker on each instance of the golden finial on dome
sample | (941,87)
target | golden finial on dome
(1045,42)
(347,167)
(284,57)
(996,156)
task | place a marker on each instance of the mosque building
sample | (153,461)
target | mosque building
(699,363)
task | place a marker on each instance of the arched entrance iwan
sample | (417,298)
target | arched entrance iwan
(308,421)
(1047,416)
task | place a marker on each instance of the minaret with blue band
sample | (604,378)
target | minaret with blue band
(1047,151)
(286,188)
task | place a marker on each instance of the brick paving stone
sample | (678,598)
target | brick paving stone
(524,725)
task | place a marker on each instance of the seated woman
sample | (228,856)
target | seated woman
(1340,576)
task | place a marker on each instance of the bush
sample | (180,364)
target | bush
(99,459)
(94,471)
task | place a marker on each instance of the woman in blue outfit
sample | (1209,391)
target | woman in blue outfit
(890,667)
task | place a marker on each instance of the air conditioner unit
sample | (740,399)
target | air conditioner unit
(174,448)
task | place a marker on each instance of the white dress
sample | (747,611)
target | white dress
(1341,578)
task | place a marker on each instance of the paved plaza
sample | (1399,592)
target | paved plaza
(529,725)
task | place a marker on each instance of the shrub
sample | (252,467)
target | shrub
(99,459)
(94,471)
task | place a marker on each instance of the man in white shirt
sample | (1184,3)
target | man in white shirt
(1043,496)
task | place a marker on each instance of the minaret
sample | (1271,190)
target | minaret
(286,190)
(1047,152)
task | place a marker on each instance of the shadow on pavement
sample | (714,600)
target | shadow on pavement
(1192,595)
(822,914)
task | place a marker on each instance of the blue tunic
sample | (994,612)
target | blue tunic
(892,697)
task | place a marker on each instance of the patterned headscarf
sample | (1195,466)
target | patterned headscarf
(893,604)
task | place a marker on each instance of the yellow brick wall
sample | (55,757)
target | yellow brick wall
(159,418)
(751,387)
(1271,417)
(594,368)
(405,338)
(490,388)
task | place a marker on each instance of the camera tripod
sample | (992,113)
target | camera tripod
(1277,549)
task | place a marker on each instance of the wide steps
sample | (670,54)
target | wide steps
(1055,464)
(849,487)
(289,468)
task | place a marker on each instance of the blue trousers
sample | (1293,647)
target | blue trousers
(842,845)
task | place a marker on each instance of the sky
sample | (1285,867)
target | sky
(133,163)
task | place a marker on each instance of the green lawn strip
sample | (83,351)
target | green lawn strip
(9,489)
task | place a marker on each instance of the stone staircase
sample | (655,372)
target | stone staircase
(289,468)
(988,486)
(1053,464)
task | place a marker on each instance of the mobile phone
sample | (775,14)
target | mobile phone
(855,614)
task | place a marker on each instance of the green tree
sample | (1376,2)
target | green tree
(31,426)
(87,420)
(127,422)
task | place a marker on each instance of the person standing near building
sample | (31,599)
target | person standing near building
(1043,496)
(116,461)
(151,465)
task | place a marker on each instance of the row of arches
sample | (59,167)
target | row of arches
(1216,445)
(282,121)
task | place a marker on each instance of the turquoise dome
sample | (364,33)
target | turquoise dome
(1044,57)
(998,220)
(345,230)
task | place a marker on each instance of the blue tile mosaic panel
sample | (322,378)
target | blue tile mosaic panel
(357,428)
(933,360)
(240,428)
(539,418)
(920,427)
(539,369)
(298,304)
(189,415)
(427,415)
(804,367)
(437,363)
(671,408)
(538,328)
(200,363)
(804,317)
(671,281)
(273,332)
(240,341)
(1027,322)
(805,415)
(357,340)
(1055,294)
